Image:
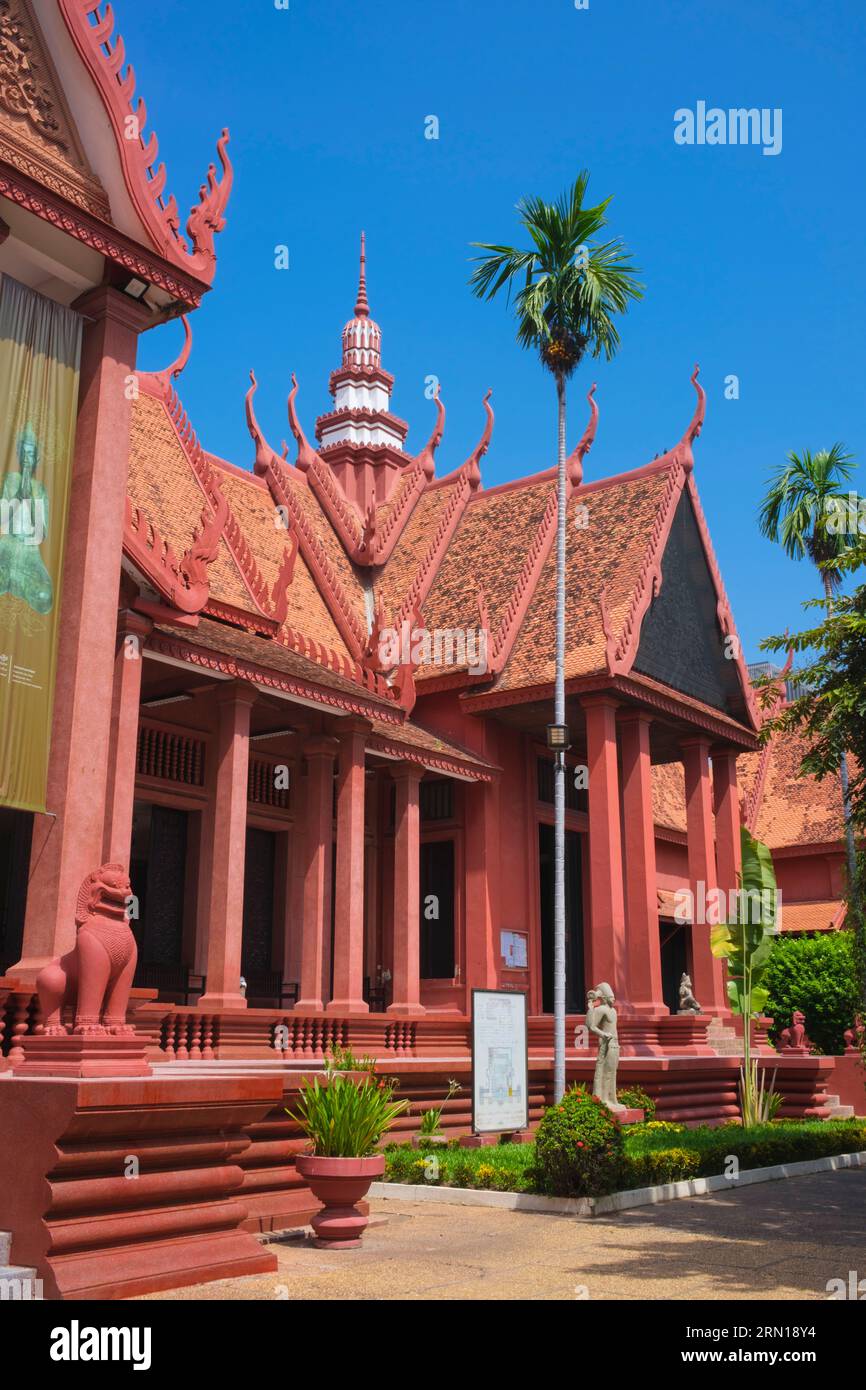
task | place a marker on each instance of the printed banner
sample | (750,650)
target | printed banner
(40,347)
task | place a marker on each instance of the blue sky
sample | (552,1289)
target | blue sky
(749,260)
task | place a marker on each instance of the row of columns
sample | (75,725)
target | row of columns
(624,946)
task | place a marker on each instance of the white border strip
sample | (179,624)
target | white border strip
(618,1201)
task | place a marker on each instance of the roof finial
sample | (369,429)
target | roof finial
(362,308)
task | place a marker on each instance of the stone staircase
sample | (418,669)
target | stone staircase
(837,1111)
(724,1039)
(27,1276)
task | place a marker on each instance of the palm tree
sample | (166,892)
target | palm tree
(803,500)
(567,289)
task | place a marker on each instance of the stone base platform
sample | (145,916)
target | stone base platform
(119,1186)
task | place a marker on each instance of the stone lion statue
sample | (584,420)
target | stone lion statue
(793,1038)
(95,977)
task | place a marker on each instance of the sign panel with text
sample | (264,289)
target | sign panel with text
(500,1063)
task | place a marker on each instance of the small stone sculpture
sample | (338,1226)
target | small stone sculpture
(793,1038)
(688,1002)
(852,1038)
(601,1021)
(95,977)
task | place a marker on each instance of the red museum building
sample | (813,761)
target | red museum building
(338,828)
(303,694)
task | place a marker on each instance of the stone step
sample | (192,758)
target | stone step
(7,1270)
(837,1111)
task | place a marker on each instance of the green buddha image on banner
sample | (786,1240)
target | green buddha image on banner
(40,346)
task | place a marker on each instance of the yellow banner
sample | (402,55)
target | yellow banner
(40,347)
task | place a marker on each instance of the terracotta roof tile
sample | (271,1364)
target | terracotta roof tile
(162,482)
(487,550)
(669,795)
(794,809)
(608,552)
(254,509)
(818,916)
(411,548)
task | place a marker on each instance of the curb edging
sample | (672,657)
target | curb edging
(584,1207)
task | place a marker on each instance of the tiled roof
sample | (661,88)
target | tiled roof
(826,915)
(162,482)
(487,552)
(669,795)
(792,809)
(605,554)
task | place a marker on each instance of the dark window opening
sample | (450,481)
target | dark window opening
(437,910)
(576,798)
(575,989)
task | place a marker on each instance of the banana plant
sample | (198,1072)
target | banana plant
(745,942)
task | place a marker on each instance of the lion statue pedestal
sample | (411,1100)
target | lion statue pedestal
(94,980)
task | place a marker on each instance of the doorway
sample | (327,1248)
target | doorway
(574,963)
(437,910)
(257,954)
(157,869)
(674,939)
(16,830)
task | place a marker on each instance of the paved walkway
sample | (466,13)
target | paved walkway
(774,1240)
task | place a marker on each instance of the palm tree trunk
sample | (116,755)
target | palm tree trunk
(850,851)
(559,767)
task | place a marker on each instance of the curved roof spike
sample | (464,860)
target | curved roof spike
(471,464)
(206,217)
(697,422)
(362,308)
(426,456)
(264,452)
(163,378)
(574,462)
(306,455)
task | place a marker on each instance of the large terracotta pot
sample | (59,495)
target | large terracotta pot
(339,1183)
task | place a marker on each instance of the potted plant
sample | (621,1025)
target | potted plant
(430,1131)
(344,1113)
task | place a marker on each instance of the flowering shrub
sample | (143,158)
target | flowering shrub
(636,1099)
(579,1147)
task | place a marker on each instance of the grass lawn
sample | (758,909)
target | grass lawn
(654,1153)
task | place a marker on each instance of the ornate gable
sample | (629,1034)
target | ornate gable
(37,134)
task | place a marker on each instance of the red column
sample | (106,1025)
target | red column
(228,850)
(706,970)
(318,841)
(642,918)
(67,842)
(727,809)
(132,630)
(482,844)
(406,973)
(607,901)
(348,968)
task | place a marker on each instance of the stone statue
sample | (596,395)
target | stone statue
(793,1038)
(688,1002)
(601,1021)
(23,528)
(95,977)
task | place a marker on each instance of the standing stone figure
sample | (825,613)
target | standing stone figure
(601,1020)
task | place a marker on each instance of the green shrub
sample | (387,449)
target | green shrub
(817,975)
(658,1166)
(636,1099)
(578,1147)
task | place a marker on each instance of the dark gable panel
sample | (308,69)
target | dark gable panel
(681,642)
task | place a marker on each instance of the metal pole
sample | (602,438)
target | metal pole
(559,769)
